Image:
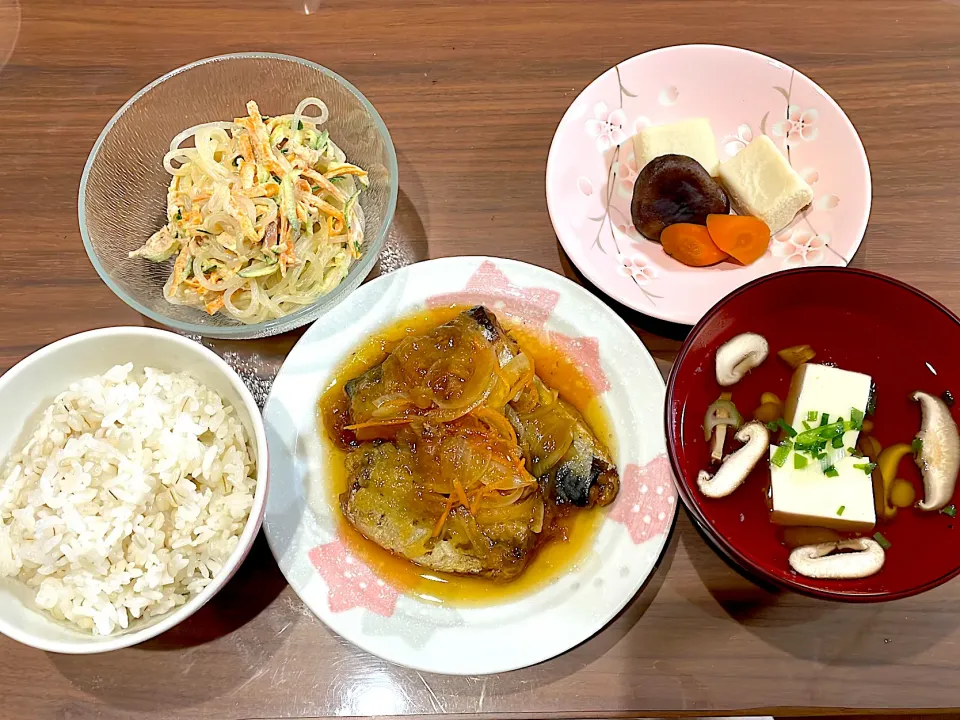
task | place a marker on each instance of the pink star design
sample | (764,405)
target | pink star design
(489,286)
(351,583)
(647,498)
(585,353)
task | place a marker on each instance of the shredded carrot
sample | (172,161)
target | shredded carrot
(345,169)
(332,227)
(496,421)
(475,505)
(744,237)
(323,206)
(324,183)
(246,149)
(461,494)
(180,265)
(443,518)
(214,305)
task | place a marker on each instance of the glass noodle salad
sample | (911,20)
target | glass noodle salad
(262,215)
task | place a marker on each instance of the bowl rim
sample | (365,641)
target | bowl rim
(554,150)
(83,645)
(299,317)
(684,489)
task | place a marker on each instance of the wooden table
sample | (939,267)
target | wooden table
(472,92)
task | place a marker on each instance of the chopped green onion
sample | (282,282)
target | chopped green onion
(831,472)
(824,419)
(856,417)
(799,461)
(881,541)
(818,436)
(837,441)
(872,401)
(840,510)
(866,467)
(852,451)
(832,430)
(812,416)
(772,426)
(782,453)
(806,425)
(917,446)
(950,510)
(786,428)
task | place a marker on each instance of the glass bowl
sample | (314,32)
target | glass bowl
(123,190)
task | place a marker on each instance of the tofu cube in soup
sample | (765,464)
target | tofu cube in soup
(819,481)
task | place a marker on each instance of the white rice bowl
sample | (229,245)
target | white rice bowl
(127,499)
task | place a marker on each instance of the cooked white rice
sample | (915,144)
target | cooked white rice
(127,499)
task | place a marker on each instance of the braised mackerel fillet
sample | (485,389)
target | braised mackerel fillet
(464,457)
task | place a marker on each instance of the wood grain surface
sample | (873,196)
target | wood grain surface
(472,92)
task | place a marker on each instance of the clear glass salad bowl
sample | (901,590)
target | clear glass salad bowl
(123,190)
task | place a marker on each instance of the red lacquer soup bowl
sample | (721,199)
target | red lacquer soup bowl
(859,321)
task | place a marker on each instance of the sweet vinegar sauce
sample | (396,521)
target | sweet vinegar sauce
(553,559)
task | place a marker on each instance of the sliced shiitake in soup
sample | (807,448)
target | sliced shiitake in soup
(674,189)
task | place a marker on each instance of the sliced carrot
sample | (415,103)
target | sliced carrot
(744,237)
(691,245)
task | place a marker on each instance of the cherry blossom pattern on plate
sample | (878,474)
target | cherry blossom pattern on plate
(799,126)
(647,500)
(828,202)
(606,126)
(641,122)
(810,176)
(630,231)
(350,583)
(668,96)
(800,247)
(732,144)
(638,268)
(625,174)
(617,171)
(414,622)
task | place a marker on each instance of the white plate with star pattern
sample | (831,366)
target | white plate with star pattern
(356,593)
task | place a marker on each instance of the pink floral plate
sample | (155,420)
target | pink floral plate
(301,522)
(591,171)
